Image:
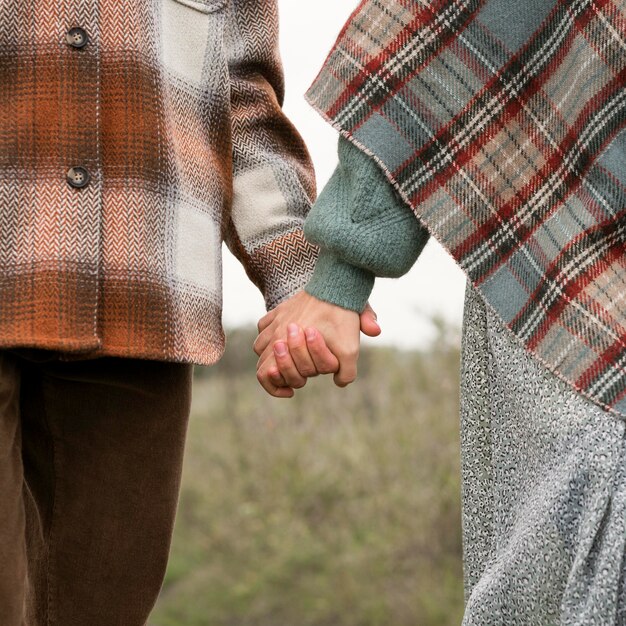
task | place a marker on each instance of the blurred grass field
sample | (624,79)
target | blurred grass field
(337,508)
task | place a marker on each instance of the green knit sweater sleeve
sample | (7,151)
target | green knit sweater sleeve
(364,230)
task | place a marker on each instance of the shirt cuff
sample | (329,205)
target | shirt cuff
(340,283)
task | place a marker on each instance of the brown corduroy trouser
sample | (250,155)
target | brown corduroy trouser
(90,462)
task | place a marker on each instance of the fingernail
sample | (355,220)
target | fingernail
(310,334)
(280,349)
(292,330)
(274,374)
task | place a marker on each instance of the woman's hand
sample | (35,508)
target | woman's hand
(304,337)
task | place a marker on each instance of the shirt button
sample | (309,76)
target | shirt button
(77,37)
(78,177)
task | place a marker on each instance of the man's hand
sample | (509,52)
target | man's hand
(304,337)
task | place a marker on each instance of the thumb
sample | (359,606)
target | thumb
(369,325)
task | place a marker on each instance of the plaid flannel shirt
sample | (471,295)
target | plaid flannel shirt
(170,111)
(502,124)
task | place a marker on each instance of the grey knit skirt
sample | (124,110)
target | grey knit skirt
(544,490)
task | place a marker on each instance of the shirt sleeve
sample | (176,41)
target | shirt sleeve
(273,178)
(363,229)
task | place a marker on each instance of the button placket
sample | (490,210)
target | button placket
(78,44)
(77,177)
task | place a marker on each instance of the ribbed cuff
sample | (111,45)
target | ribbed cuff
(340,283)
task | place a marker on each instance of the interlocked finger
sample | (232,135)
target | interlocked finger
(324,360)
(296,341)
(287,367)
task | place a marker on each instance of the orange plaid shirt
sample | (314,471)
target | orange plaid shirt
(134,138)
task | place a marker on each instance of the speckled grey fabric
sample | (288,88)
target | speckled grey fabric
(544,490)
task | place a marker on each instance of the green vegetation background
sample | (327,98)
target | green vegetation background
(338,508)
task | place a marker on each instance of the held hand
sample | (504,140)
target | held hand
(282,351)
(318,349)
(307,355)
(329,343)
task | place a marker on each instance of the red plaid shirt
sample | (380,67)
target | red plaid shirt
(504,128)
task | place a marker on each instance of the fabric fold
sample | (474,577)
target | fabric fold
(544,489)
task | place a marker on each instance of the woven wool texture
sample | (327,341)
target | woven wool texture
(502,124)
(170,101)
